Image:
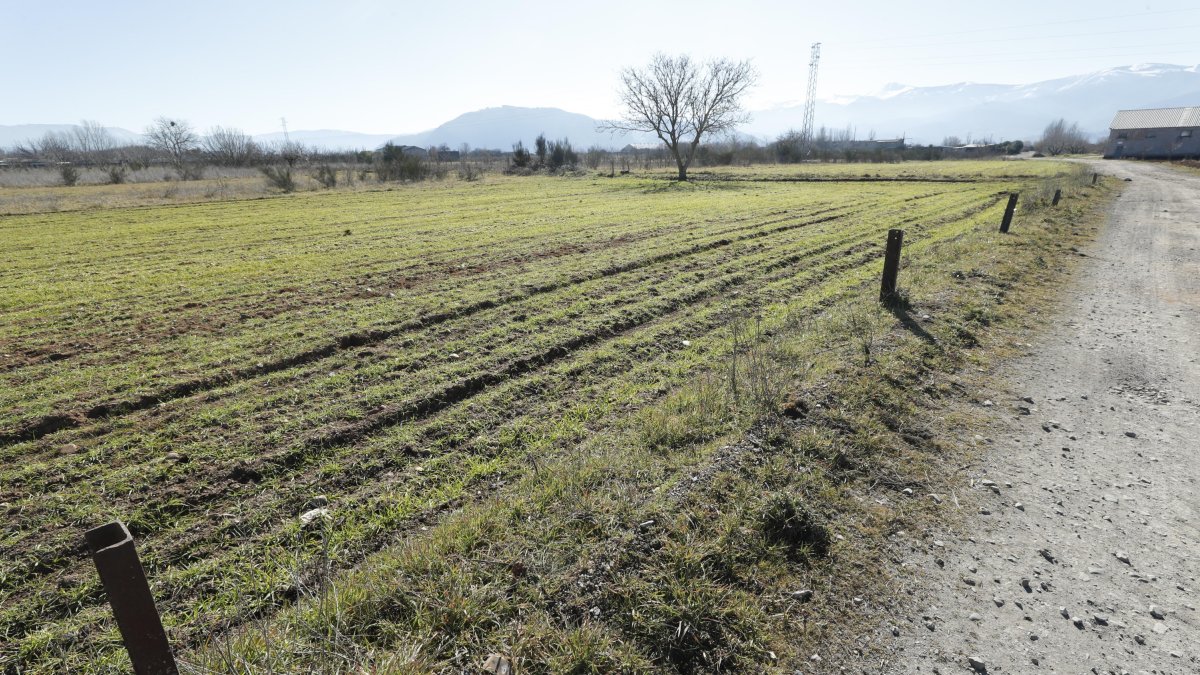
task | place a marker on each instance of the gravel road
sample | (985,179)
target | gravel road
(1082,551)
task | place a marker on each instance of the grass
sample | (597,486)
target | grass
(1187,165)
(592,424)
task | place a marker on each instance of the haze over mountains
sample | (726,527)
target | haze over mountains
(999,111)
(922,114)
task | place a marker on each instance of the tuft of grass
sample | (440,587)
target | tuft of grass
(686,417)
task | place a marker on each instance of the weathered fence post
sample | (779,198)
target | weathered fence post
(891,265)
(129,596)
(1057,196)
(1008,211)
(1094,177)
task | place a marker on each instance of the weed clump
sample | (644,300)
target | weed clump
(688,416)
(326,176)
(786,522)
(279,178)
(69,175)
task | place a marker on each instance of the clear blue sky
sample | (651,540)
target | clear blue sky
(394,67)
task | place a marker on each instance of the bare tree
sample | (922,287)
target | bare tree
(1060,137)
(681,101)
(230,147)
(92,140)
(52,146)
(175,138)
(289,151)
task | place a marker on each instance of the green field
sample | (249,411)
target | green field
(206,372)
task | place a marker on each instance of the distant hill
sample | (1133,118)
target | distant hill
(501,127)
(999,111)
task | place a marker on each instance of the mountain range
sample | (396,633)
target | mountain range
(921,114)
(997,111)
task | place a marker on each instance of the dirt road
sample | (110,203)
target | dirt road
(1083,549)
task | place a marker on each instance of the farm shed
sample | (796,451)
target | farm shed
(1156,133)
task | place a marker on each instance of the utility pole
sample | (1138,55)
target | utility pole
(810,101)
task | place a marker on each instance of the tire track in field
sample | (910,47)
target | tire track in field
(961,213)
(383,277)
(365,548)
(464,390)
(289,460)
(53,423)
(368,548)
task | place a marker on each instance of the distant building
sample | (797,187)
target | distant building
(978,150)
(869,145)
(1155,133)
(414,151)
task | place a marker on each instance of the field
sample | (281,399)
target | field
(482,383)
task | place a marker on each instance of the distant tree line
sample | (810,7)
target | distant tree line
(1063,138)
(549,155)
(186,153)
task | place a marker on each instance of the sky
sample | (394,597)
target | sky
(397,67)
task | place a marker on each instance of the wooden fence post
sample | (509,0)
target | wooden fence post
(1094,177)
(891,265)
(129,596)
(1057,196)
(1008,211)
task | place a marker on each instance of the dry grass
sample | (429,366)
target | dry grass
(31,191)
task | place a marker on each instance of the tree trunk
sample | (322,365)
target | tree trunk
(674,147)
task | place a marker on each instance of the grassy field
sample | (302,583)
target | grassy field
(524,403)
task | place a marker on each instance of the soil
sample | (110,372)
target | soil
(1081,555)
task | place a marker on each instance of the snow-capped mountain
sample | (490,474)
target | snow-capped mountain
(998,111)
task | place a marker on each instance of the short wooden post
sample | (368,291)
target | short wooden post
(1008,211)
(891,265)
(1094,177)
(129,596)
(1057,196)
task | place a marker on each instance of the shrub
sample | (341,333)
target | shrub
(326,176)
(116,175)
(190,171)
(469,171)
(540,147)
(279,177)
(520,156)
(394,164)
(561,154)
(69,174)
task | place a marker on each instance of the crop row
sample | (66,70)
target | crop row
(138,366)
(685,306)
